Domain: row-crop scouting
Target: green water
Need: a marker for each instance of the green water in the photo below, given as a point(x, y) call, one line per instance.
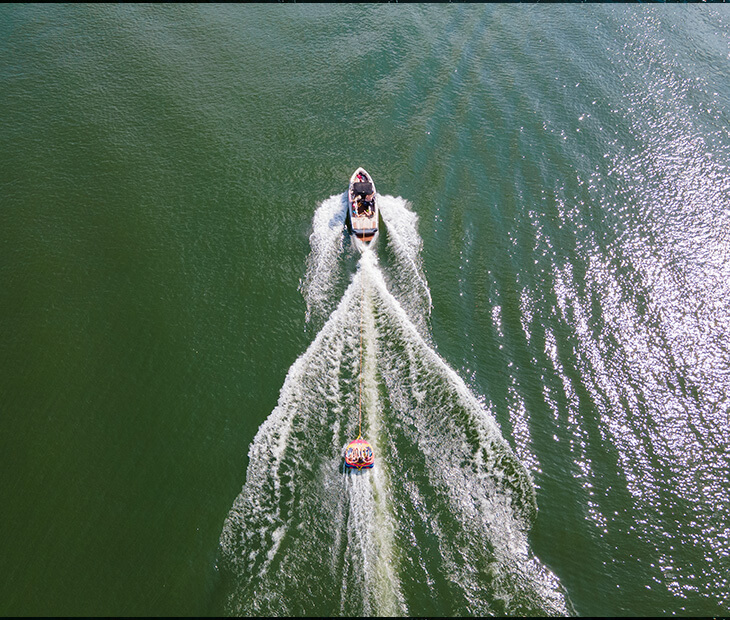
point(161, 171)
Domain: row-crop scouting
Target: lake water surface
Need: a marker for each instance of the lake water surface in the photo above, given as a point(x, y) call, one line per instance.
point(545, 313)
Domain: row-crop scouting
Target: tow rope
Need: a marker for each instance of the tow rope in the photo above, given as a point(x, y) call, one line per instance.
point(359, 453)
point(362, 318)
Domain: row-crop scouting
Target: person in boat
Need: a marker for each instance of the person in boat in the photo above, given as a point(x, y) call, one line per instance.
point(370, 203)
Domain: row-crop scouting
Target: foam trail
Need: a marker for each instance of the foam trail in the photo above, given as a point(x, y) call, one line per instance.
point(382, 583)
point(406, 277)
point(323, 265)
point(442, 518)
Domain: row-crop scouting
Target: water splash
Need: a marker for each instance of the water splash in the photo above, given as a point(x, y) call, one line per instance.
point(324, 268)
point(405, 276)
point(441, 520)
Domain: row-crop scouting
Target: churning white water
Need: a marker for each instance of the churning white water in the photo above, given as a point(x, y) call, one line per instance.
point(443, 516)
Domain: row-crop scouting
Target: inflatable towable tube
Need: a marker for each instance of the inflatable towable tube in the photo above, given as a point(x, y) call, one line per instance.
point(359, 454)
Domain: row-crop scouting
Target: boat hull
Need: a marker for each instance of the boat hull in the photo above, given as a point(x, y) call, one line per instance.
point(362, 207)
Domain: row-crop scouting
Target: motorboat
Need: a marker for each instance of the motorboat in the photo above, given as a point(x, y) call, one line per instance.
point(362, 206)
